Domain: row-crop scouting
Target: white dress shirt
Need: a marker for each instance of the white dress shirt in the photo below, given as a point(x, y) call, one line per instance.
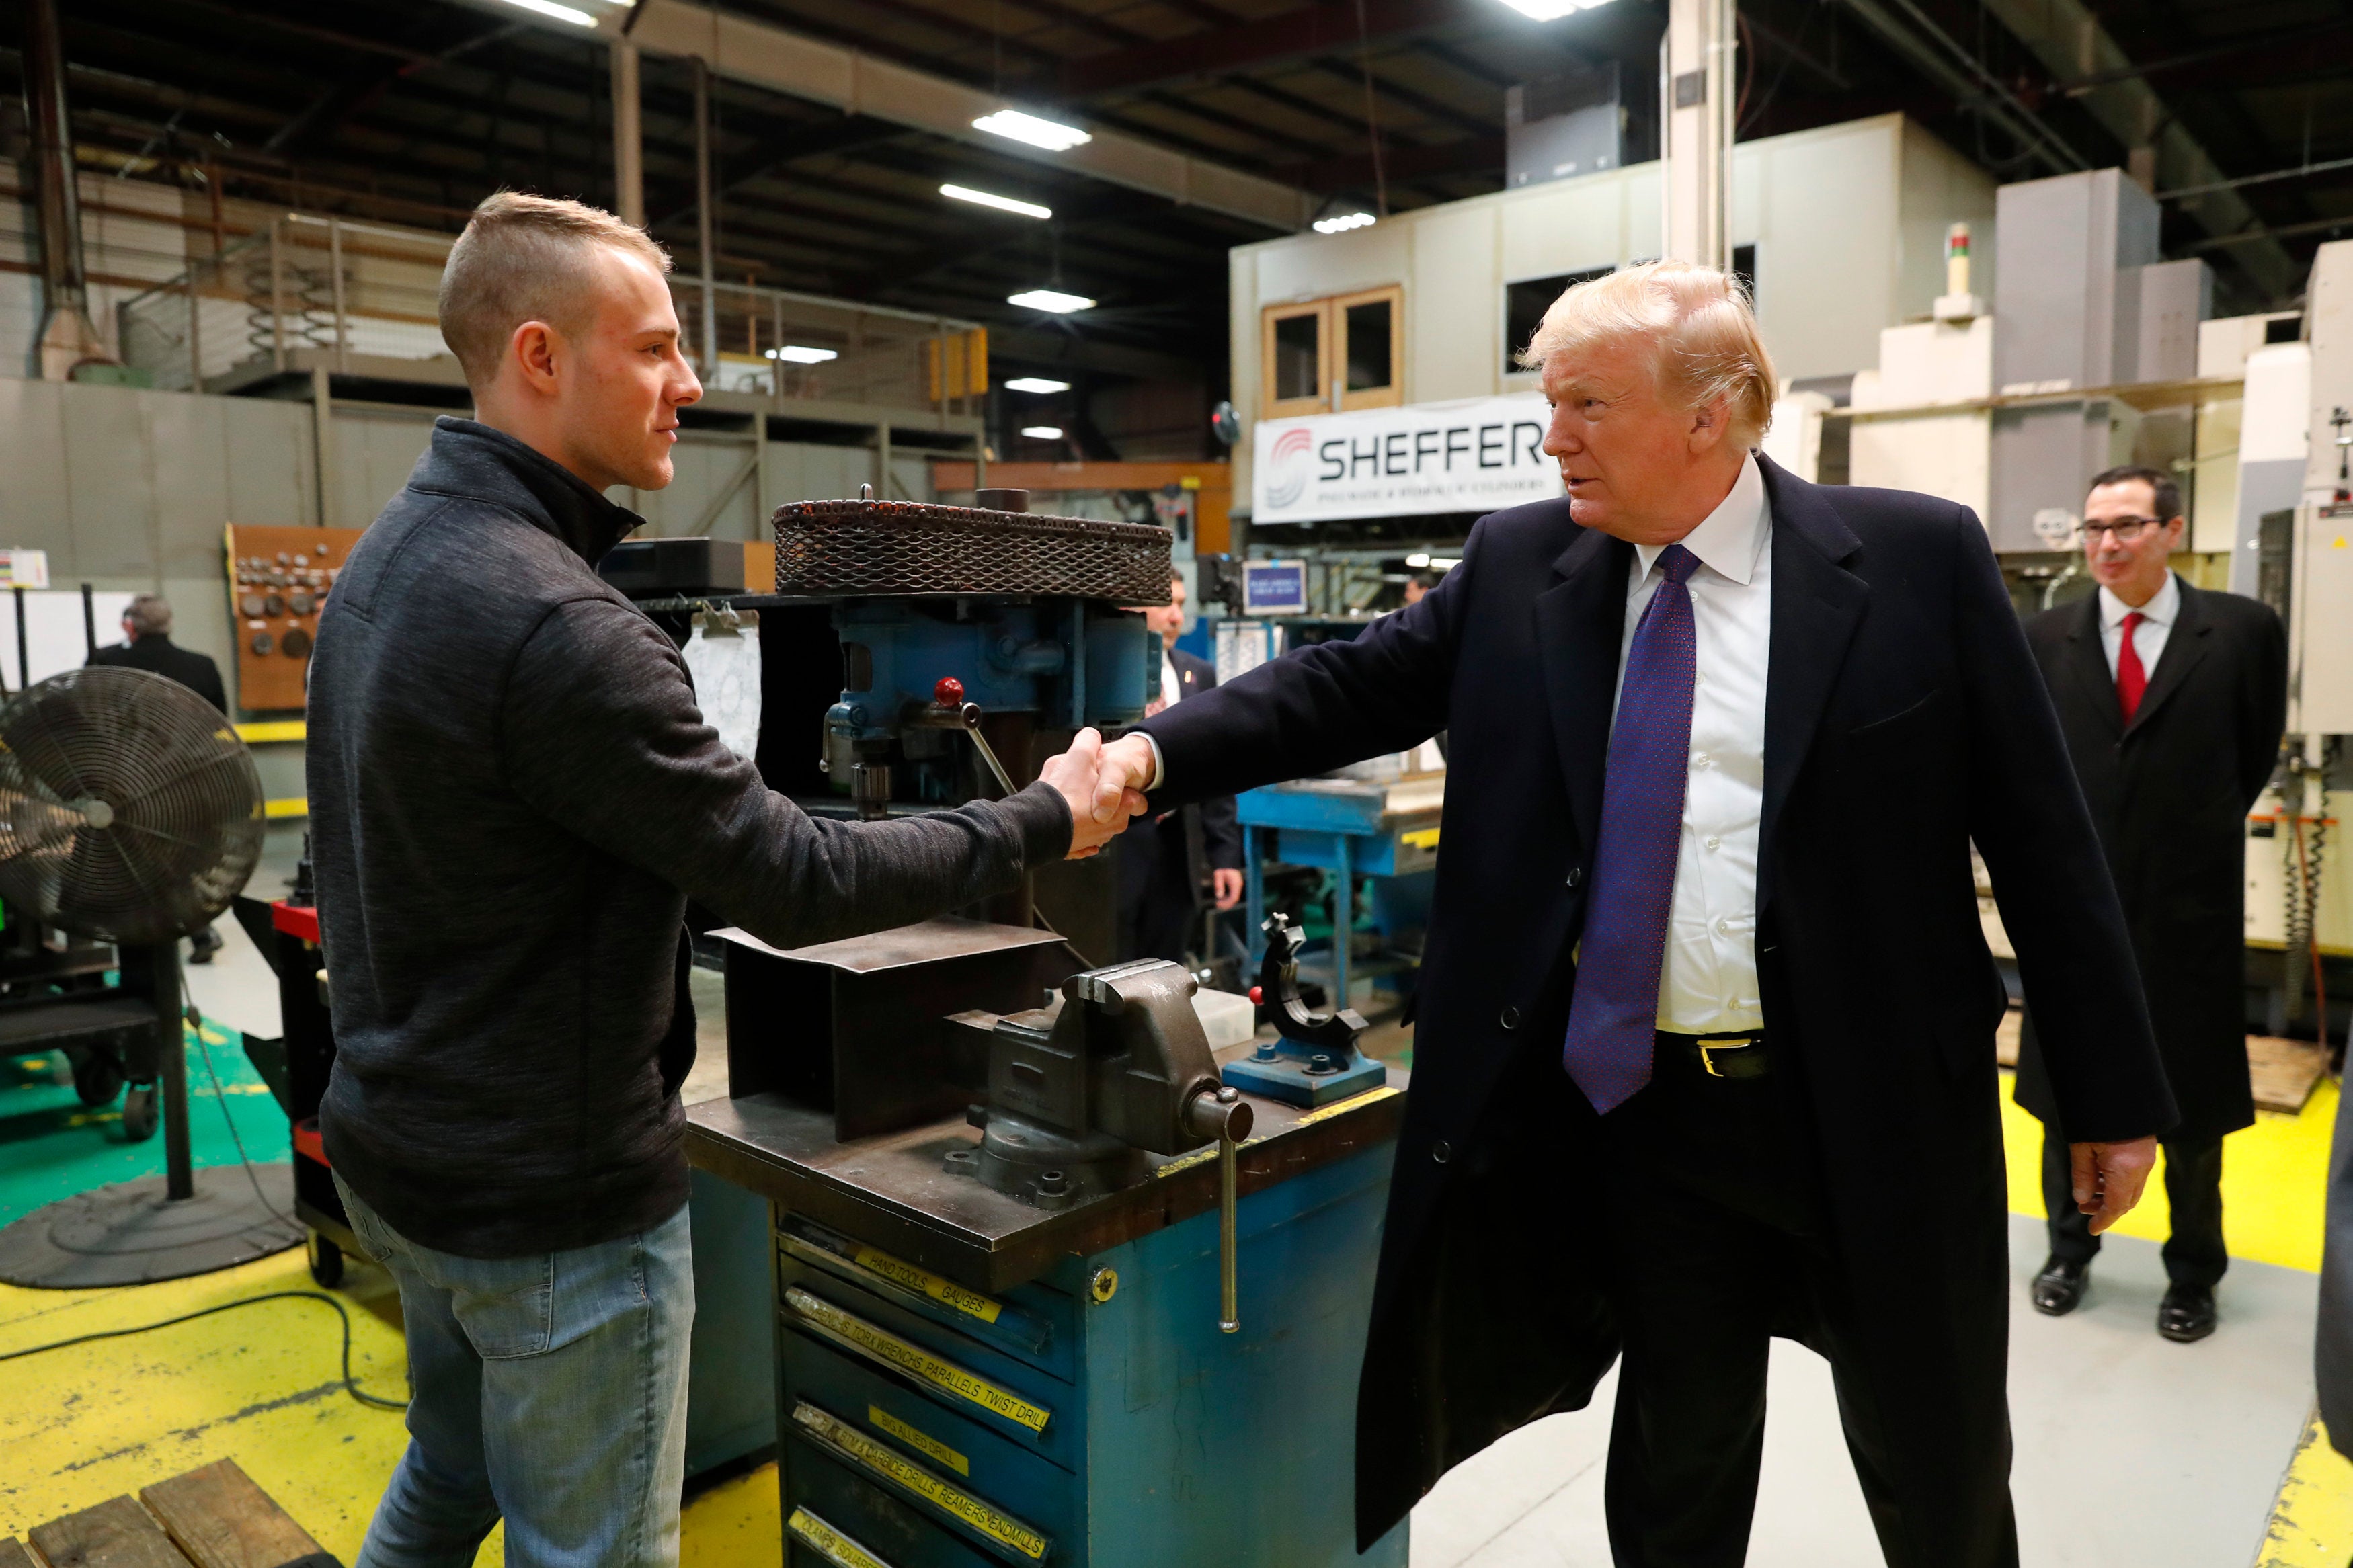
point(1170, 687)
point(2148, 637)
point(1708, 982)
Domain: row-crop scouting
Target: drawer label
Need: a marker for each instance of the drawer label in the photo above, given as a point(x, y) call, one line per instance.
point(922, 1442)
point(830, 1544)
point(917, 1361)
point(947, 1292)
point(849, 1443)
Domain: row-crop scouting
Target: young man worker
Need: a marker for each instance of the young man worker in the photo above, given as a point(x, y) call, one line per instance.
point(513, 795)
point(2172, 699)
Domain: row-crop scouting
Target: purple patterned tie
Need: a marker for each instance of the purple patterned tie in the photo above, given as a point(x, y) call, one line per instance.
point(1614, 1013)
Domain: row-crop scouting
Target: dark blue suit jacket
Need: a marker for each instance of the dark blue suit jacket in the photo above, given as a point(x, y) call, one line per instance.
point(1905, 718)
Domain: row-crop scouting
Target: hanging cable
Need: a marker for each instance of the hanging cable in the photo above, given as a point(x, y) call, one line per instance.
point(1372, 114)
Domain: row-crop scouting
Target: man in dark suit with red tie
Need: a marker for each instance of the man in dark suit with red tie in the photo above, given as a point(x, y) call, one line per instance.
point(2172, 699)
point(1705, 1045)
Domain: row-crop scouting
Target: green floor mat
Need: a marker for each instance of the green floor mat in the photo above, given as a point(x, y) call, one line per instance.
point(52, 1146)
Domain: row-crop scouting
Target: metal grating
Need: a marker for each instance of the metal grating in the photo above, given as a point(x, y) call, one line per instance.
point(897, 548)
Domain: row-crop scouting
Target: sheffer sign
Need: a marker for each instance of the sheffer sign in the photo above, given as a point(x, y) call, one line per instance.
point(1474, 455)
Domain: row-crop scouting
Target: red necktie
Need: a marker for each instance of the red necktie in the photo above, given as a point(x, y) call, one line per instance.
point(2132, 680)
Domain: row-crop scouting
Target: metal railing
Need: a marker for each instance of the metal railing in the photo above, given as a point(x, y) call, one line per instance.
point(307, 291)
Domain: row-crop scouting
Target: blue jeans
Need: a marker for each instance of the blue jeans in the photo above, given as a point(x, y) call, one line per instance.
point(548, 1390)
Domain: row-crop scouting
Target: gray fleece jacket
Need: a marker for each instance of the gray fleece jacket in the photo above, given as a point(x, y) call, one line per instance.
point(513, 795)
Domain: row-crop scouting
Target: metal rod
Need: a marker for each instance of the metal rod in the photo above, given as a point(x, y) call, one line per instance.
point(628, 138)
point(335, 266)
point(180, 1176)
point(23, 657)
point(969, 715)
point(88, 620)
point(1229, 1314)
point(706, 227)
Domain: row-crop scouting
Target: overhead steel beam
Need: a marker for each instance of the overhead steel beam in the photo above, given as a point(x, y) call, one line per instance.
point(1294, 35)
point(1946, 63)
point(2072, 46)
point(856, 83)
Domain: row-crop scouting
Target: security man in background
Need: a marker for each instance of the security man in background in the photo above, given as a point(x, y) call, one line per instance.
point(147, 644)
point(1161, 857)
point(2172, 699)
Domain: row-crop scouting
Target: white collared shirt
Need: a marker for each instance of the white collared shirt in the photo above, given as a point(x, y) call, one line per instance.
point(1708, 983)
point(2148, 637)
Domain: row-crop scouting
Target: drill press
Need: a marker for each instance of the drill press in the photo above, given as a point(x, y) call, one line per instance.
point(1047, 1289)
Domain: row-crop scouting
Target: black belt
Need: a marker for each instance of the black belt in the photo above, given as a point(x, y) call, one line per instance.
point(1728, 1055)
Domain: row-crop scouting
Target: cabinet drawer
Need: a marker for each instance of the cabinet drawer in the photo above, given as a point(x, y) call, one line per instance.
point(958, 1448)
point(1031, 1323)
point(951, 1501)
point(982, 1384)
point(892, 1534)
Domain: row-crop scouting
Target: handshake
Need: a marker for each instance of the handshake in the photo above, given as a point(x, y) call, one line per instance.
point(1103, 785)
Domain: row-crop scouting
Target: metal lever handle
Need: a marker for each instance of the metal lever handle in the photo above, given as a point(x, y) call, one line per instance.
point(1229, 1312)
point(947, 694)
point(1223, 1114)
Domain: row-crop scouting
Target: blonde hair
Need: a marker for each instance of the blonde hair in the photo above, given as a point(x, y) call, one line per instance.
point(524, 258)
point(1700, 326)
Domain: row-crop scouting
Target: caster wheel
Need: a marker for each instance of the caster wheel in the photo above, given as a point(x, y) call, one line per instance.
point(326, 1262)
point(96, 1080)
point(141, 1113)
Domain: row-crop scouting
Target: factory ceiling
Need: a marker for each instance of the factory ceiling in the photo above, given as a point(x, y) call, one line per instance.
point(410, 111)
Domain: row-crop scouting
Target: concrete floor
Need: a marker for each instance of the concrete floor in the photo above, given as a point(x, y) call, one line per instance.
point(2129, 1449)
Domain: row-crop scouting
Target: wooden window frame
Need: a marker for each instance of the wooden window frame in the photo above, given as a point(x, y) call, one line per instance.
point(1272, 406)
point(1336, 349)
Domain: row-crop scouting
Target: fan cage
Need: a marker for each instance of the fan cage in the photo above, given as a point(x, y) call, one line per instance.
point(129, 811)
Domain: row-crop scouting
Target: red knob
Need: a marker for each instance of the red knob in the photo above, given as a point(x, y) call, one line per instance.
point(948, 692)
point(1257, 1000)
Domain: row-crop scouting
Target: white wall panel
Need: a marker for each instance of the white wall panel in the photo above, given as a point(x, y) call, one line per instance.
point(1454, 342)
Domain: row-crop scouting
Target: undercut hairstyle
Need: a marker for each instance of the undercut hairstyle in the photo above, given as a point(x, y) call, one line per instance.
point(526, 258)
point(149, 615)
point(1700, 327)
point(2165, 492)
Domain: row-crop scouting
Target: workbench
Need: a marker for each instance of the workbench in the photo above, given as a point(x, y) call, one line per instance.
point(967, 1380)
point(1349, 827)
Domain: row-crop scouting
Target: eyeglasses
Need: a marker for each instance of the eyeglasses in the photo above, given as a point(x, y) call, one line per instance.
point(2126, 529)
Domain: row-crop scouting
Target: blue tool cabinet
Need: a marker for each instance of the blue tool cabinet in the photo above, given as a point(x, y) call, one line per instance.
point(1093, 1417)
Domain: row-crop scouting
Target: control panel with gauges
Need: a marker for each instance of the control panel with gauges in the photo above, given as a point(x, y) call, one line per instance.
point(279, 580)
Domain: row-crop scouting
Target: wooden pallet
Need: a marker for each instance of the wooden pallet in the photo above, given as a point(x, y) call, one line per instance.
point(2285, 1072)
point(211, 1517)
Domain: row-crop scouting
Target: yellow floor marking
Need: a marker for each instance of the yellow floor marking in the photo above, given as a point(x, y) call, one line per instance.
point(2312, 1523)
point(2274, 1182)
point(737, 1524)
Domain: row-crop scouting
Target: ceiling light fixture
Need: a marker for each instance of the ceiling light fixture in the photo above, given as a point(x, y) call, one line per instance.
point(1343, 223)
point(1051, 299)
point(1035, 383)
point(1418, 558)
point(1552, 10)
point(1016, 126)
point(1043, 432)
point(1002, 204)
point(793, 353)
point(578, 18)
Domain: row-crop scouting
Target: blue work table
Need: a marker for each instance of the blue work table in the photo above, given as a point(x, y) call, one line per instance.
point(1349, 827)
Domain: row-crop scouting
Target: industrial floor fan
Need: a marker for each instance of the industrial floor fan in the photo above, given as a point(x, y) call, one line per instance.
point(131, 813)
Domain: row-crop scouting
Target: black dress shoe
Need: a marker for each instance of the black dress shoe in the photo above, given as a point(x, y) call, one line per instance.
point(2186, 1314)
point(2059, 1288)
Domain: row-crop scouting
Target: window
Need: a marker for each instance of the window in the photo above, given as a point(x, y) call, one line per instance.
point(1323, 355)
point(1525, 303)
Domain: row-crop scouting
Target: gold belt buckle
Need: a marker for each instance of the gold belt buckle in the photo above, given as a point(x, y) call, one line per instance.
point(1707, 1049)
